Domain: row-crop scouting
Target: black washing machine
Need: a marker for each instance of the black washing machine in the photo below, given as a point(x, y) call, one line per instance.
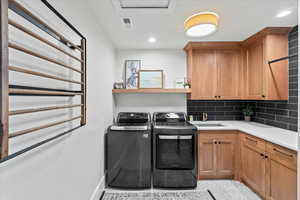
point(174, 151)
point(128, 152)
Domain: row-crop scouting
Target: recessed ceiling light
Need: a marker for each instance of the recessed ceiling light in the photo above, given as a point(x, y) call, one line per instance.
point(152, 40)
point(283, 13)
point(201, 24)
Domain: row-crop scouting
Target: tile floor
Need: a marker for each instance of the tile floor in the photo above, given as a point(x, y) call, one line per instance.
point(221, 190)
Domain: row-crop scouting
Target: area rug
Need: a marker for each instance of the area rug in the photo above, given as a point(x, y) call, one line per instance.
point(197, 195)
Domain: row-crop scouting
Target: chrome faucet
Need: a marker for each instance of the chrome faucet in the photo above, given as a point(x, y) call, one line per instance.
point(204, 117)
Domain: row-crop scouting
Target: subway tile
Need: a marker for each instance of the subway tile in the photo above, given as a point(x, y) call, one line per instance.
point(293, 99)
point(259, 120)
point(276, 124)
point(293, 113)
point(293, 93)
point(224, 109)
point(293, 79)
point(215, 103)
point(266, 116)
point(289, 120)
point(233, 113)
point(225, 117)
point(266, 104)
point(293, 127)
point(293, 86)
point(293, 71)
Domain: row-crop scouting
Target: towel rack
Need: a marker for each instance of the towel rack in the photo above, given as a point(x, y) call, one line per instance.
point(283, 58)
point(19, 90)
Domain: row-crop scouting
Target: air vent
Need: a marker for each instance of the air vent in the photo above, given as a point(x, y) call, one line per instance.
point(127, 22)
point(146, 4)
point(129, 7)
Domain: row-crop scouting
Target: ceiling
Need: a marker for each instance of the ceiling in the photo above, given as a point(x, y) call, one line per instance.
point(238, 20)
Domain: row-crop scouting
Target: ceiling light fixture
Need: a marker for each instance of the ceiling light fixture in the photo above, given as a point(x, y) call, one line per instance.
point(152, 40)
point(201, 24)
point(283, 13)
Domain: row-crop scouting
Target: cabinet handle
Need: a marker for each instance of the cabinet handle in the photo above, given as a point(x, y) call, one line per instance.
point(250, 139)
point(266, 157)
point(263, 96)
point(262, 155)
point(216, 96)
point(224, 142)
point(216, 142)
point(219, 96)
point(283, 153)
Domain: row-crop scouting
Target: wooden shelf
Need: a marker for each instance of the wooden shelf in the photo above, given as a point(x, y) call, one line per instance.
point(153, 91)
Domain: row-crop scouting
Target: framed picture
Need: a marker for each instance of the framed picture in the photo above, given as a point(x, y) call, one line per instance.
point(151, 79)
point(132, 68)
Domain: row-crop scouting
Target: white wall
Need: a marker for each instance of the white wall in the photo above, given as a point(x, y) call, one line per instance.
point(172, 62)
point(71, 167)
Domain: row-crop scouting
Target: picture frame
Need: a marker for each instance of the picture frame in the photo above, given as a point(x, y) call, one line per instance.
point(150, 79)
point(132, 67)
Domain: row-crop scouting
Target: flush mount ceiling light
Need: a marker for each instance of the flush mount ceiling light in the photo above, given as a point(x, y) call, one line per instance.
point(201, 24)
point(283, 13)
point(152, 40)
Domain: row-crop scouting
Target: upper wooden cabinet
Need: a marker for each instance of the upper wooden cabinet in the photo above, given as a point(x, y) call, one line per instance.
point(215, 70)
point(240, 70)
point(264, 81)
point(229, 74)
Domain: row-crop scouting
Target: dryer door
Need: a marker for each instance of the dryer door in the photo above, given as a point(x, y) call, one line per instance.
point(175, 151)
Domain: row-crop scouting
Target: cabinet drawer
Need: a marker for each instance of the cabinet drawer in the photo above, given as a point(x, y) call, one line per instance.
point(283, 155)
point(253, 142)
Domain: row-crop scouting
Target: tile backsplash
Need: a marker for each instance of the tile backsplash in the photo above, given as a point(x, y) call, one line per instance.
point(282, 114)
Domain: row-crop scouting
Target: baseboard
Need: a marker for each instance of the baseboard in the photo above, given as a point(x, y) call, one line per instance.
point(99, 189)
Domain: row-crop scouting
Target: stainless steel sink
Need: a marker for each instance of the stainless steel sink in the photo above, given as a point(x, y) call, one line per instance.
point(209, 125)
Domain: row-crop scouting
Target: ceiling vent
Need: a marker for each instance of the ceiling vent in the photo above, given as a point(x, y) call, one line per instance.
point(134, 6)
point(127, 22)
point(144, 4)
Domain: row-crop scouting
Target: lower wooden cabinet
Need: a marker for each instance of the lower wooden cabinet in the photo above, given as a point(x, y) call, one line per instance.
point(281, 173)
point(216, 154)
point(253, 164)
point(268, 169)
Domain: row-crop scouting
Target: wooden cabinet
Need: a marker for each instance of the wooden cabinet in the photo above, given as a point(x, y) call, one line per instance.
point(268, 169)
point(282, 173)
point(229, 74)
point(254, 164)
point(207, 156)
point(225, 156)
point(264, 81)
point(254, 71)
point(215, 73)
point(216, 154)
point(204, 74)
point(240, 70)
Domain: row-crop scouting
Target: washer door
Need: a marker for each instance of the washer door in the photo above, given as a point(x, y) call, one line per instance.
point(175, 152)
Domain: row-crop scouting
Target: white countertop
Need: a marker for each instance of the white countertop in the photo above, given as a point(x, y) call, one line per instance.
point(285, 138)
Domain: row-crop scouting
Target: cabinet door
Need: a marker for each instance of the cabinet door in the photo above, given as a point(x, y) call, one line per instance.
point(281, 173)
point(254, 169)
point(206, 157)
point(204, 77)
point(225, 157)
point(229, 74)
point(254, 71)
point(283, 182)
